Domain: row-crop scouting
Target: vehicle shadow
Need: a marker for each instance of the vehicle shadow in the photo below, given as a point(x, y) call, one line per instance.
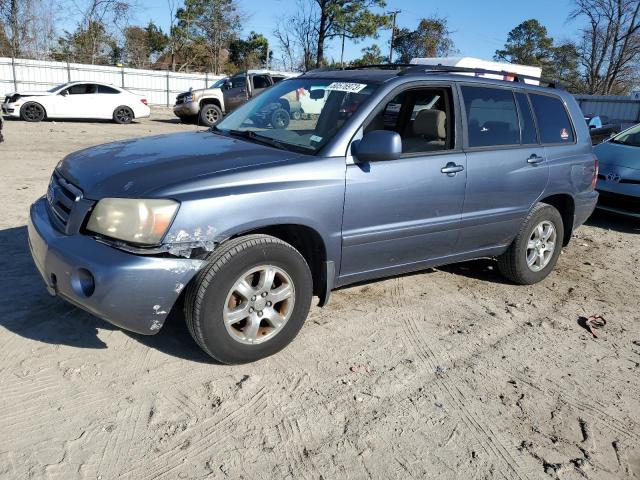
point(484, 269)
point(29, 311)
point(613, 221)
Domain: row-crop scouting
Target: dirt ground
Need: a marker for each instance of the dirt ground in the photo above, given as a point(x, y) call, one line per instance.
point(448, 373)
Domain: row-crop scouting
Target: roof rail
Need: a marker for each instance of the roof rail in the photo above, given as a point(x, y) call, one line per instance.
point(412, 68)
point(517, 77)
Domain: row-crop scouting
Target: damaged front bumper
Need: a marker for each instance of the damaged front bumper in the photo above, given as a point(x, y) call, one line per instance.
point(134, 292)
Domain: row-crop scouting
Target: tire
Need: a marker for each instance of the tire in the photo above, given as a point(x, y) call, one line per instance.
point(279, 119)
point(515, 265)
point(296, 115)
point(123, 115)
point(213, 297)
point(32, 112)
point(210, 115)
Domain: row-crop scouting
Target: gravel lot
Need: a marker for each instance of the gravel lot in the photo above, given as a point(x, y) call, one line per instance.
point(448, 373)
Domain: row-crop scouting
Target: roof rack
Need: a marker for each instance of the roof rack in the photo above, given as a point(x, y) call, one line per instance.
point(517, 77)
point(412, 68)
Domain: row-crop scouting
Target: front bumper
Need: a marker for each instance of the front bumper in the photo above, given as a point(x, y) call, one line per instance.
point(134, 292)
point(619, 203)
point(186, 109)
point(10, 110)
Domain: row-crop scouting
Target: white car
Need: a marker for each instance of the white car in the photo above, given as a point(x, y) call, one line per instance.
point(77, 100)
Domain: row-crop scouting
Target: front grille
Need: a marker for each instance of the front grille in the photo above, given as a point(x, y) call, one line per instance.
point(617, 201)
point(180, 99)
point(66, 208)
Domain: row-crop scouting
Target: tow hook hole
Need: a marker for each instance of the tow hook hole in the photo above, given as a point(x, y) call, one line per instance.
point(53, 279)
point(83, 282)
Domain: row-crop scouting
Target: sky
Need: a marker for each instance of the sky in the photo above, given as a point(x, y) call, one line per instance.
point(479, 27)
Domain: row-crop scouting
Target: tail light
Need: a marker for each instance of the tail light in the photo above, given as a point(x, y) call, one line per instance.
point(594, 179)
point(144, 100)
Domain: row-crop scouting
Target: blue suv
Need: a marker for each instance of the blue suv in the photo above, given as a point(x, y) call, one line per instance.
point(392, 169)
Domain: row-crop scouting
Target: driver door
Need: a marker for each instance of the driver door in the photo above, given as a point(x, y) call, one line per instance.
point(404, 214)
point(235, 93)
point(77, 101)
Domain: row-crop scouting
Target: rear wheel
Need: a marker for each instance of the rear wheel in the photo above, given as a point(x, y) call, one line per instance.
point(32, 112)
point(280, 119)
point(123, 115)
point(210, 115)
point(535, 250)
point(251, 299)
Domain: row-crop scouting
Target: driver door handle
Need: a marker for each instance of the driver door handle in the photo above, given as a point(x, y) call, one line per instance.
point(534, 158)
point(451, 169)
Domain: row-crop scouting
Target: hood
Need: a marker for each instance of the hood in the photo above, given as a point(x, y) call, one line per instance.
point(29, 94)
point(609, 153)
point(151, 166)
point(201, 91)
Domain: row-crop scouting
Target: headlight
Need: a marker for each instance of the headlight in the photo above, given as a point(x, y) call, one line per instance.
point(136, 221)
point(188, 98)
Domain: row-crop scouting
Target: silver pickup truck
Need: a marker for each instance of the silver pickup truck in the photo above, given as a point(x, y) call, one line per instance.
point(207, 106)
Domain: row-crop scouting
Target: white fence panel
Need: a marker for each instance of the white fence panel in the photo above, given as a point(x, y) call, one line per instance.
point(159, 87)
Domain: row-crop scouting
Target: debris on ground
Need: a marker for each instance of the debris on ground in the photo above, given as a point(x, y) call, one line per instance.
point(592, 323)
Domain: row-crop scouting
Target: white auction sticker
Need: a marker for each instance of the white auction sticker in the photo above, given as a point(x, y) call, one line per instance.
point(346, 87)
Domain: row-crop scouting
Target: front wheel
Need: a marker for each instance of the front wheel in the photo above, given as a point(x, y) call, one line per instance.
point(32, 112)
point(251, 299)
point(210, 115)
point(535, 250)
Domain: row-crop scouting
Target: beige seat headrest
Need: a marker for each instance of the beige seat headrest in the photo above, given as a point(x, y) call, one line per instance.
point(430, 124)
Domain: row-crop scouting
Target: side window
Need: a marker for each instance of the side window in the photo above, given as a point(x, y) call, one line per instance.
point(238, 82)
point(553, 120)
point(421, 117)
point(277, 79)
point(260, 81)
point(527, 124)
point(82, 89)
point(492, 118)
point(105, 89)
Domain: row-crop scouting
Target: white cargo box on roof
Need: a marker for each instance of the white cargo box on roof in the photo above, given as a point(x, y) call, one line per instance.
point(470, 62)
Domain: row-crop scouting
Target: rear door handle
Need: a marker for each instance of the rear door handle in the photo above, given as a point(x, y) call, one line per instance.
point(534, 158)
point(451, 169)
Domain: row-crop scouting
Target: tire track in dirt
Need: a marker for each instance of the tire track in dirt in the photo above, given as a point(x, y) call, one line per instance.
point(224, 427)
point(597, 414)
point(488, 440)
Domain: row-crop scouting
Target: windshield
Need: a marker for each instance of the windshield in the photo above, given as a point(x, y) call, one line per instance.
point(300, 114)
point(57, 87)
point(219, 83)
point(629, 137)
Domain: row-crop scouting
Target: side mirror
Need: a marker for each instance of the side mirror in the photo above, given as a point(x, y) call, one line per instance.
point(317, 94)
point(376, 146)
point(64, 93)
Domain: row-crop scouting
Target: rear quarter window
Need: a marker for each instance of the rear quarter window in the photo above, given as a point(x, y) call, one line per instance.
point(553, 120)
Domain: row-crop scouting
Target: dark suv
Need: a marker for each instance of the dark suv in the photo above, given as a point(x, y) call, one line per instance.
point(400, 169)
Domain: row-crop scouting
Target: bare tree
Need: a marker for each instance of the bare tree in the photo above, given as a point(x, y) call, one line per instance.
point(609, 49)
point(297, 35)
point(98, 17)
point(28, 27)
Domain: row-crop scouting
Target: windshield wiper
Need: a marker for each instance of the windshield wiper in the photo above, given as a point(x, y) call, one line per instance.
point(251, 135)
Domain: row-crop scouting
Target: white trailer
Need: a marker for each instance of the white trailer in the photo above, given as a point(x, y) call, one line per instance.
point(509, 69)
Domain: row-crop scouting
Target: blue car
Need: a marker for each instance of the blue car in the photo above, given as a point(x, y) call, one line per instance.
point(619, 178)
point(402, 168)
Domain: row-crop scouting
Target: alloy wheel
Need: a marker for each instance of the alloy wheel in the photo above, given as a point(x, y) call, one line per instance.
point(259, 304)
point(541, 246)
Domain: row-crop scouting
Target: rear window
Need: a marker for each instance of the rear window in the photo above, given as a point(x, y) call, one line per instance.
point(553, 120)
point(492, 117)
